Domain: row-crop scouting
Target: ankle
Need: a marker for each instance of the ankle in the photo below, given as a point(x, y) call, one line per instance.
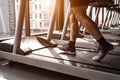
point(71, 43)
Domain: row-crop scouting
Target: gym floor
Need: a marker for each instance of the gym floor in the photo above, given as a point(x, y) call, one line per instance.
point(26, 72)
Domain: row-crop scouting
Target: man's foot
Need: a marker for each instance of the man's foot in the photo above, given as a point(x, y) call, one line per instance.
point(67, 48)
point(102, 53)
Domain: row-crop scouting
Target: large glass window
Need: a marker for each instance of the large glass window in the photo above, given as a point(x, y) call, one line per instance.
point(40, 12)
point(40, 15)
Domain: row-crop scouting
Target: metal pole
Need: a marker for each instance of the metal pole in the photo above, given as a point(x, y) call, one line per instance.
point(52, 22)
point(105, 19)
point(27, 19)
point(90, 12)
point(110, 23)
point(65, 26)
point(97, 14)
point(109, 17)
point(117, 16)
point(18, 33)
point(102, 15)
point(113, 17)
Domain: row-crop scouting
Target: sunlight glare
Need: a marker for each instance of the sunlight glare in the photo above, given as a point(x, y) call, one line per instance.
point(1, 78)
point(47, 3)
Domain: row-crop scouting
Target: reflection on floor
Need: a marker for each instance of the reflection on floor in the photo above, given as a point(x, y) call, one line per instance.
point(25, 72)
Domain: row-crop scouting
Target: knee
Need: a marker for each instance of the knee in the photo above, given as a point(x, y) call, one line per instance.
point(72, 18)
point(82, 18)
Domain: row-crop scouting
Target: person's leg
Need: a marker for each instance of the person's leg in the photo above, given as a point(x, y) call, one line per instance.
point(70, 47)
point(73, 26)
point(92, 28)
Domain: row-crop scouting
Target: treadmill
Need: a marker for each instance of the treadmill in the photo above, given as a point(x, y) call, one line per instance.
point(47, 56)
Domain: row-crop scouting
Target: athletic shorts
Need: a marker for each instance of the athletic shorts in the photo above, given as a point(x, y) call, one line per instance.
point(74, 3)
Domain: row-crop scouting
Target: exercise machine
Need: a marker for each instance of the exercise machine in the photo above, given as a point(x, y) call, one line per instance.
point(46, 55)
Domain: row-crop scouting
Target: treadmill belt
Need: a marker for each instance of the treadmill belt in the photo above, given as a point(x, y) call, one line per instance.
point(38, 48)
point(80, 43)
point(110, 61)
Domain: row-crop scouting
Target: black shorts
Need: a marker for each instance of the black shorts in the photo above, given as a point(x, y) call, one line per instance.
point(74, 3)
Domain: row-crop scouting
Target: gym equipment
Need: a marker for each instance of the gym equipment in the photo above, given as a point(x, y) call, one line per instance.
point(49, 57)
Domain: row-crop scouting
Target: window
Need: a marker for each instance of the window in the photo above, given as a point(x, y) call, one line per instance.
point(46, 23)
point(39, 15)
point(35, 6)
point(46, 15)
